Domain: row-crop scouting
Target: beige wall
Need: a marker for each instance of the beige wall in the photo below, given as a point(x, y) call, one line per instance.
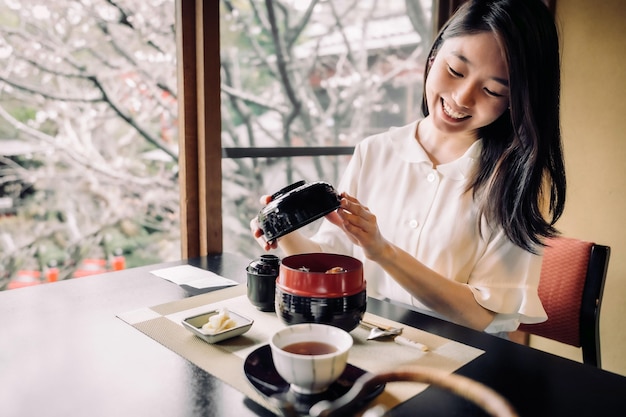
point(593, 38)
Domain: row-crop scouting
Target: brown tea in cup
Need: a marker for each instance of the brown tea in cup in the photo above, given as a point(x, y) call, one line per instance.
point(310, 348)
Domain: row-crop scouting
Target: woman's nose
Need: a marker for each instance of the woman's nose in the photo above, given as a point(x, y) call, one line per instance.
point(463, 95)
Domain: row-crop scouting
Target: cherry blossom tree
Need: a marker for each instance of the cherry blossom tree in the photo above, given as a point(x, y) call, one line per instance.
point(90, 88)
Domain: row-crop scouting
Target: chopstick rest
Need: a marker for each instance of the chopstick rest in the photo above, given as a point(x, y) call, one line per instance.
point(401, 340)
point(378, 331)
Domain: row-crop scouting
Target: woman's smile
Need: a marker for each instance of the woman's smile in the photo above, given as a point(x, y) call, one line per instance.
point(449, 111)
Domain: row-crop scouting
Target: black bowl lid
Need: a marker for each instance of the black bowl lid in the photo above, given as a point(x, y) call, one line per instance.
point(296, 206)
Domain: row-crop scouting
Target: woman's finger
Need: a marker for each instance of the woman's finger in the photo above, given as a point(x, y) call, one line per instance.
point(259, 236)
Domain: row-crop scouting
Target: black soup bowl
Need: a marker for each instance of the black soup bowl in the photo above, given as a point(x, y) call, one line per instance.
point(321, 288)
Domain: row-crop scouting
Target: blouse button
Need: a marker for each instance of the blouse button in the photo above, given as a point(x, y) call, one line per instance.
point(431, 177)
point(413, 224)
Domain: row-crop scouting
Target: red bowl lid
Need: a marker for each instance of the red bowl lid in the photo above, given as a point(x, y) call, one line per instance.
point(321, 275)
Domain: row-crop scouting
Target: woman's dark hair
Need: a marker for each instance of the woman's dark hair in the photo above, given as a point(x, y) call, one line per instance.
point(522, 158)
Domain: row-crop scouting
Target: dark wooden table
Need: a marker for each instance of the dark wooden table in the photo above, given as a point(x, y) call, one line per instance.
point(64, 353)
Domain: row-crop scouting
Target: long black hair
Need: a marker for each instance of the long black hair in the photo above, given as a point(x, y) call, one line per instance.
point(520, 183)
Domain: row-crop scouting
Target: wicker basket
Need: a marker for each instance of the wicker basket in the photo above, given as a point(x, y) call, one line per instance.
point(481, 395)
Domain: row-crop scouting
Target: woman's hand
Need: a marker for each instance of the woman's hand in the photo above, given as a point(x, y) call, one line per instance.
point(360, 226)
point(257, 233)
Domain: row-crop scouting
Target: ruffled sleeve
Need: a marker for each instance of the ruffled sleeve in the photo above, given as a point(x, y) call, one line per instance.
point(505, 280)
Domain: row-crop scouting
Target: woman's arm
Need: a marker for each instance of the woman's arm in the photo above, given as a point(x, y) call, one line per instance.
point(452, 299)
point(445, 296)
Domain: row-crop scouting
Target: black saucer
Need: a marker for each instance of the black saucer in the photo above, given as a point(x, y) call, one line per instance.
point(260, 371)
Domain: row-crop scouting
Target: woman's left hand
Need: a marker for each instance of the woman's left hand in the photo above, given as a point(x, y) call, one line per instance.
point(360, 225)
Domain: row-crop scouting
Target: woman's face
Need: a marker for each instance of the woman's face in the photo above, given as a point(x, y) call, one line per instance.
point(467, 87)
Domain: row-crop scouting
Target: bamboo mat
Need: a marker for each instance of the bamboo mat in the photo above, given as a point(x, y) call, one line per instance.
point(225, 360)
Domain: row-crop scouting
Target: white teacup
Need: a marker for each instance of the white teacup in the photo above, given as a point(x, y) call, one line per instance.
point(310, 356)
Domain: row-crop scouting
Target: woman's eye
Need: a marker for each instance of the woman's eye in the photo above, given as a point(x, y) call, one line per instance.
point(492, 93)
point(453, 72)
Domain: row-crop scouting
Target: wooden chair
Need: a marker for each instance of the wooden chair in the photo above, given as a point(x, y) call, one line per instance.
point(573, 273)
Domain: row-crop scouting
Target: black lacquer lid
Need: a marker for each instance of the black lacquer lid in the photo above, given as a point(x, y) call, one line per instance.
point(265, 264)
point(295, 206)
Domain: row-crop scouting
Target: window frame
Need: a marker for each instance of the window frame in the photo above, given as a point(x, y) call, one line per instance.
point(200, 171)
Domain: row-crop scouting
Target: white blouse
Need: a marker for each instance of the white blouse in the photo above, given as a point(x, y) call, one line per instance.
point(426, 212)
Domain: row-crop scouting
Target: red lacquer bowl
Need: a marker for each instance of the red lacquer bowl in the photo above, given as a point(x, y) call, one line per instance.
point(321, 275)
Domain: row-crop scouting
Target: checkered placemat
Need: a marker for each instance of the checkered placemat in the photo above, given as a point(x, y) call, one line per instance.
point(225, 360)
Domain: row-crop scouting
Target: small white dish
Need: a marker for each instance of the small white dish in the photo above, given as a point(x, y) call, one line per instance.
point(195, 323)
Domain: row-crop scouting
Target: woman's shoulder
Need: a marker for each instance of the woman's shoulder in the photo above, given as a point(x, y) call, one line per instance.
point(397, 142)
point(395, 132)
point(390, 138)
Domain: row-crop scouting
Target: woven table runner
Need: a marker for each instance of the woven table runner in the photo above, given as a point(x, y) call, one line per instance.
point(225, 359)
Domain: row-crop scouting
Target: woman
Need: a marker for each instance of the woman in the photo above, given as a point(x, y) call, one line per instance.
point(448, 213)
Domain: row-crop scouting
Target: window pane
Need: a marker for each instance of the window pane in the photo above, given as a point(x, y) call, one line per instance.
point(311, 73)
point(88, 137)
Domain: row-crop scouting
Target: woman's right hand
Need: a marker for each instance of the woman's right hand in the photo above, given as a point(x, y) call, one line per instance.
point(257, 233)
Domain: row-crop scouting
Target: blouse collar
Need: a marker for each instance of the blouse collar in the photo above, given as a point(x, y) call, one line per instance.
point(410, 150)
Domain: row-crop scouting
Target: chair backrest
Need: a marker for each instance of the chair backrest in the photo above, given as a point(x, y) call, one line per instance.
point(573, 273)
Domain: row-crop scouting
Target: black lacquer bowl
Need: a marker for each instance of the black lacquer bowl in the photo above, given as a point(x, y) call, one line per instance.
point(261, 281)
point(296, 206)
point(344, 312)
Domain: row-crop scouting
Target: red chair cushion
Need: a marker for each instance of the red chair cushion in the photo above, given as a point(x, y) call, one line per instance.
point(563, 275)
